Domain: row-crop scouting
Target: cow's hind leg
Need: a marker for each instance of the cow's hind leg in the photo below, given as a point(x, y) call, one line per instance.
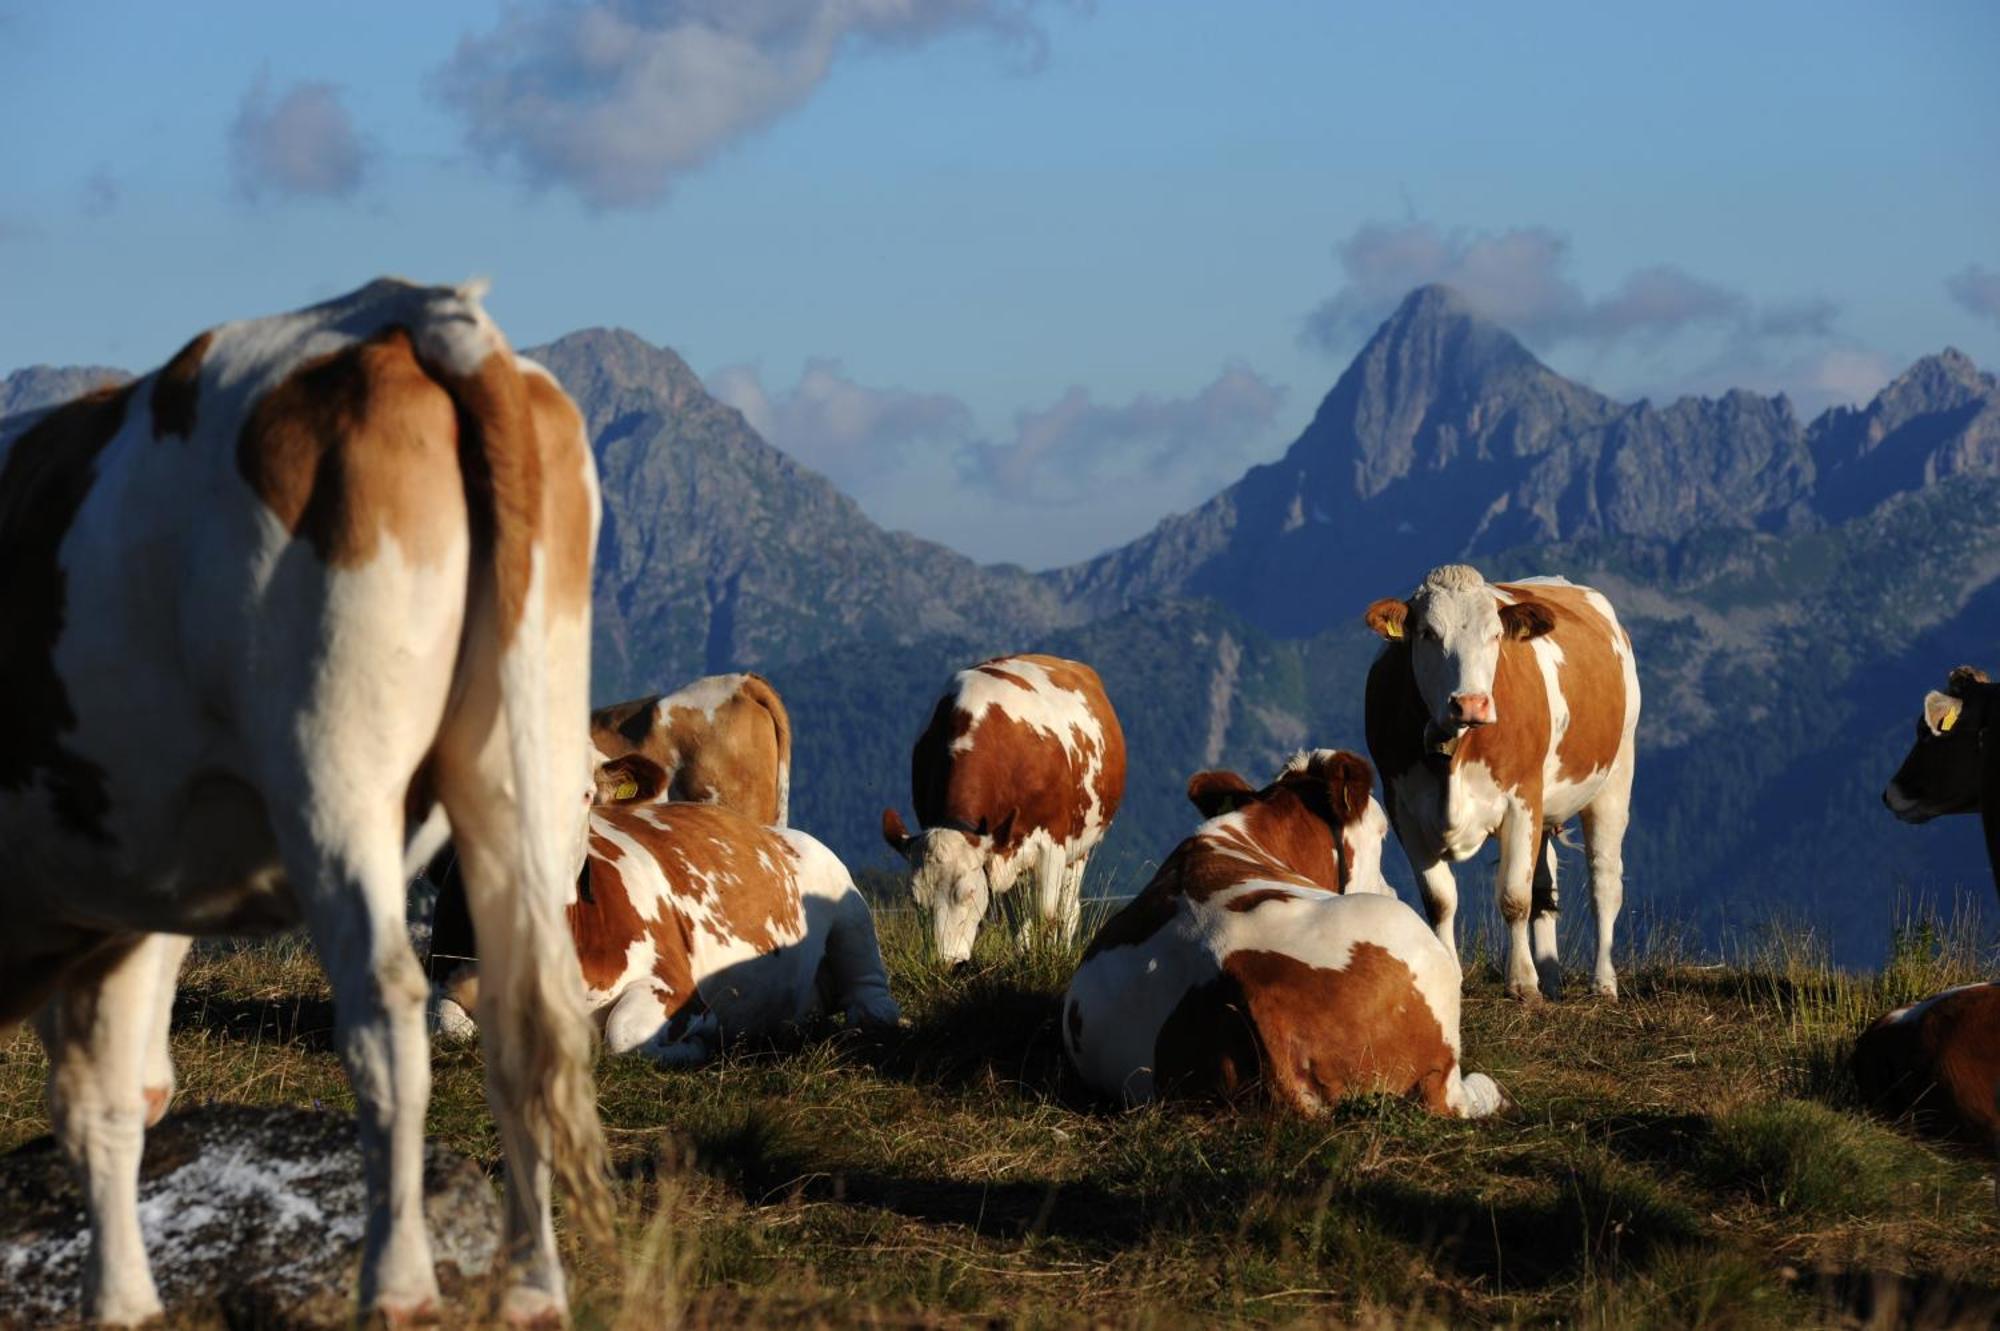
point(1545, 917)
point(1604, 822)
point(98, 1030)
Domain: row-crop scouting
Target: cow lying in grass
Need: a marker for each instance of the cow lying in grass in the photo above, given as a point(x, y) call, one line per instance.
point(1937, 1063)
point(1269, 951)
point(695, 923)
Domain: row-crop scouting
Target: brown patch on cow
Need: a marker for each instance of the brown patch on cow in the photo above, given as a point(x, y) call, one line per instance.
point(355, 447)
point(706, 848)
point(1310, 1035)
point(1249, 901)
point(997, 673)
point(157, 1100)
point(1591, 677)
point(606, 922)
point(177, 388)
point(565, 530)
point(1214, 793)
point(631, 778)
point(1138, 919)
point(1514, 748)
point(739, 758)
point(1016, 779)
point(43, 483)
point(1940, 1070)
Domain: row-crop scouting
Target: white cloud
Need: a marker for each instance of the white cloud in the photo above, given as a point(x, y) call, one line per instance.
point(848, 430)
point(299, 143)
point(616, 99)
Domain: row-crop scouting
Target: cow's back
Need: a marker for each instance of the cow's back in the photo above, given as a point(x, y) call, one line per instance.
point(1590, 678)
point(724, 739)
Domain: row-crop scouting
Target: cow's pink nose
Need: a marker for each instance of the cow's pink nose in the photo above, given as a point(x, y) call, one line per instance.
point(1472, 709)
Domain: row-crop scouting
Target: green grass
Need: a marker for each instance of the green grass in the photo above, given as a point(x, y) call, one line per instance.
point(1689, 1156)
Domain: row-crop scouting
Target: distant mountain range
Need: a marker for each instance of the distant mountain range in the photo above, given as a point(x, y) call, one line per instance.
point(1792, 589)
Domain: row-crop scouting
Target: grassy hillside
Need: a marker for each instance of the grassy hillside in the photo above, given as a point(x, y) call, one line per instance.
point(1687, 1157)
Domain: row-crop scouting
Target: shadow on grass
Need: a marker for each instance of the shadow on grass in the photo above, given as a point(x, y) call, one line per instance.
point(305, 1023)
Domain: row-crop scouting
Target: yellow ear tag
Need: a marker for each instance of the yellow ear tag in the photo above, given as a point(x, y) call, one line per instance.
point(1395, 628)
point(1950, 720)
point(627, 790)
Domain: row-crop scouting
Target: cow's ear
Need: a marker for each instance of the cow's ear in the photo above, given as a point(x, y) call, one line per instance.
point(1526, 619)
point(631, 779)
point(1387, 617)
point(1941, 712)
point(1963, 679)
point(1215, 793)
point(1350, 782)
point(630, 721)
point(893, 832)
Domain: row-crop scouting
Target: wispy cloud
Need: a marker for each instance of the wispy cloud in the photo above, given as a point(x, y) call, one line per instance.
point(617, 99)
point(299, 142)
point(1976, 289)
point(848, 430)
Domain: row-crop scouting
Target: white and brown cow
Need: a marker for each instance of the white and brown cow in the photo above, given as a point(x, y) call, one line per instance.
point(695, 924)
point(1268, 954)
point(259, 611)
point(1019, 771)
point(1936, 1065)
point(724, 739)
point(1507, 709)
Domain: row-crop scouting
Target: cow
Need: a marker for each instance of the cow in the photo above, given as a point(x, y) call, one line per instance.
point(1020, 770)
point(261, 611)
point(695, 924)
point(1950, 767)
point(724, 739)
point(1507, 708)
point(1268, 955)
point(1937, 1064)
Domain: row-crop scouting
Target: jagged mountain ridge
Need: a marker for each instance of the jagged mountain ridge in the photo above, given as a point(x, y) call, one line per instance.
point(1447, 439)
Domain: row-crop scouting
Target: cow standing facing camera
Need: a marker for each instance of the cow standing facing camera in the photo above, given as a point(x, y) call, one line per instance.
point(1019, 771)
point(1269, 954)
point(1506, 709)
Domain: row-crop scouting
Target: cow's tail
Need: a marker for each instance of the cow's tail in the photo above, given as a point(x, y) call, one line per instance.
point(759, 690)
point(529, 519)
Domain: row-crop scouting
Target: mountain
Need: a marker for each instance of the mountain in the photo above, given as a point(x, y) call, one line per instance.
point(719, 552)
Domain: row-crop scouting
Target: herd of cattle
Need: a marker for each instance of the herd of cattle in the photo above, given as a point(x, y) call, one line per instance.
point(279, 619)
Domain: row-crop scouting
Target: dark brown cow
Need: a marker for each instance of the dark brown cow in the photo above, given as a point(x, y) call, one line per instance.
point(1937, 1064)
point(1020, 770)
point(1269, 953)
point(1507, 709)
point(1952, 767)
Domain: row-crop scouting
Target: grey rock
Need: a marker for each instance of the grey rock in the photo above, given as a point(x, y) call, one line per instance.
point(255, 1215)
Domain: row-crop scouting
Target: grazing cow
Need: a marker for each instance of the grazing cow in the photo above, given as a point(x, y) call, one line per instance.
point(260, 611)
point(1507, 708)
point(1950, 768)
point(694, 923)
point(1268, 951)
point(724, 739)
point(1937, 1063)
point(1020, 770)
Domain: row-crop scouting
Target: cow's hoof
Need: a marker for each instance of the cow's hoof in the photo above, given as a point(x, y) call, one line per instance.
point(397, 1313)
point(139, 1310)
point(1608, 990)
point(1527, 994)
point(959, 968)
point(527, 1306)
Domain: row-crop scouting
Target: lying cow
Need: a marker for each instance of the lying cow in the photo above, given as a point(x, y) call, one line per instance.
point(1019, 771)
point(695, 923)
point(1951, 768)
point(1937, 1063)
point(1507, 709)
point(260, 612)
point(1269, 952)
point(724, 739)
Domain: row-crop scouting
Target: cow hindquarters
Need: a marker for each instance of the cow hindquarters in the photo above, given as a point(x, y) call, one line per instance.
point(98, 1029)
point(854, 961)
point(1604, 822)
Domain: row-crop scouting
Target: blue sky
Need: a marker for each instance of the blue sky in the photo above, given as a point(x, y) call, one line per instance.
point(1023, 277)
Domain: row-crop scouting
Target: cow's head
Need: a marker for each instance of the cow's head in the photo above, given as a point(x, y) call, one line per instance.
point(1455, 625)
point(948, 880)
point(632, 778)
point(1330, 787)
point(1943, 771)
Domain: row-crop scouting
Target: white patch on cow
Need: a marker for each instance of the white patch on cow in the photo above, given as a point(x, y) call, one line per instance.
point(707, 695)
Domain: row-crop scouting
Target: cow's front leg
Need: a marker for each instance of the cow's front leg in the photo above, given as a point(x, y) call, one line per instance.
point(98, 1031)
point(1434, 879)
point(171, 950)
point(1545, 917)
point(1520, 833)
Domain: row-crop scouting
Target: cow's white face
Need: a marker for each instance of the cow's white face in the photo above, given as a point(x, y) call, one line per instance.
point(948, 880)
point(1455, 625)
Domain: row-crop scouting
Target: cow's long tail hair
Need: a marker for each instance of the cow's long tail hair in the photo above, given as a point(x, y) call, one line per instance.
point(542, 1053)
